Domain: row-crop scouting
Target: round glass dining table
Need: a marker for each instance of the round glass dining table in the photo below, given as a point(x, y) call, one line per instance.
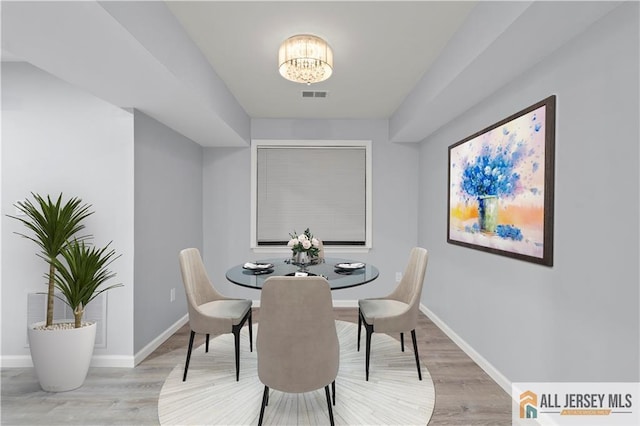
point(338, 278)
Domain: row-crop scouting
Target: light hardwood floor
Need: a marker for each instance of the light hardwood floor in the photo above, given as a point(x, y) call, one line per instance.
point(465, 395)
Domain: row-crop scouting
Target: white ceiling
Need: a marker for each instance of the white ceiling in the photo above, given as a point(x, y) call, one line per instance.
point(206, 68)
point(381, 49)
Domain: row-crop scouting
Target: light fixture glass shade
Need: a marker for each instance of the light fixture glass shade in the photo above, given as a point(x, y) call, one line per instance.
point(306, 59)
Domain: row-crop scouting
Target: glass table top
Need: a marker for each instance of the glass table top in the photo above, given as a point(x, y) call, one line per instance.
point(338, 278)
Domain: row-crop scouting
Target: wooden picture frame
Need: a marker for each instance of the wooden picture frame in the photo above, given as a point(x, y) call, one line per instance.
point(501, 186)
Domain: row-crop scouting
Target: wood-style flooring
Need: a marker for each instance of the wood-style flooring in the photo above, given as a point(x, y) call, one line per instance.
point(465, 395)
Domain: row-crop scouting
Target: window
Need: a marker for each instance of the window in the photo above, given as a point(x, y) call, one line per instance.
point(321, 185)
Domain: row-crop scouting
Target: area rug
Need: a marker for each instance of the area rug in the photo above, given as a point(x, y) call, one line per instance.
point(211, 396)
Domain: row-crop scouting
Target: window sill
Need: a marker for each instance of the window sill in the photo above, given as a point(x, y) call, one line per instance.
point(328, 250)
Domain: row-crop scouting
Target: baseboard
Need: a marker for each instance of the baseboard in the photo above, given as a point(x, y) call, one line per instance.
point(493, 372)
point(155, 343)
point(16, 361)
point(24, 361)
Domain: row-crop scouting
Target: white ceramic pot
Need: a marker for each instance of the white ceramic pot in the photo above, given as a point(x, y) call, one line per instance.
point(61, 357)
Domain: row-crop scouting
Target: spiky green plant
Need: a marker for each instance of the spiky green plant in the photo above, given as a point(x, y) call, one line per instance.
point(53, 224)
point(83, 272)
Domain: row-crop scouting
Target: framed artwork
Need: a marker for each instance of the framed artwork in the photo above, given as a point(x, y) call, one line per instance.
point(501, 186)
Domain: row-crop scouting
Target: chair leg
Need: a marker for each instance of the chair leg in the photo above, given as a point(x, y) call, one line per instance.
point(186, 365)
point(333, 391)
point(236, 338)
point(206, 349)
point(265, 398)
point(326, 392)
point(402, 341)
point(250, 332)
point(368, 350)
point(359, 326)
point(415, 351)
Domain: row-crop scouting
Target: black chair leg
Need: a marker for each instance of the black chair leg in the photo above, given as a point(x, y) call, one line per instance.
point(402, 341)
point(326, 392)
point(250, 332)
point(265, 398)
point(415, 351)
point(206, 349)
point(186, 365)
point(333, 391)
point(359, 327)
point(368, 352)
point(236, 338)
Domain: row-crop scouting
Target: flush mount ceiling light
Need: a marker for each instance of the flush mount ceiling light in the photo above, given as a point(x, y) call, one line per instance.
point(305, 58)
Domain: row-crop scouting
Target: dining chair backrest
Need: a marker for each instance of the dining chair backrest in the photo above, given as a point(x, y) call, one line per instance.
point(197, 286)
point(297, 343)
point(409, 290)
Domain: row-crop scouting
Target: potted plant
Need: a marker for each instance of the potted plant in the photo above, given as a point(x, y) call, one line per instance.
point(53, 224)
point(61, 352)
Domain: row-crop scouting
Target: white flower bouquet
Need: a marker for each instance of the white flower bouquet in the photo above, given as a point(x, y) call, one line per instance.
point(304, 243)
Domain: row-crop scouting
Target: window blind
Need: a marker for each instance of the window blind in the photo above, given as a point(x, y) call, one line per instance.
point(320, 188)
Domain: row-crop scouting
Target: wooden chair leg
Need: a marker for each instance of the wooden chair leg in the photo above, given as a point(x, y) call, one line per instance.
point(326, 392)
point(186, 364)
point(415, 351)
point(206, 347)
point(265, 398)
point(402, 341)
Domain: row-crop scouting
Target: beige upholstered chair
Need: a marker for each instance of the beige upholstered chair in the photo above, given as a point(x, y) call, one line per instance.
point(397, 312)
point(209, 311)
point(297, 342)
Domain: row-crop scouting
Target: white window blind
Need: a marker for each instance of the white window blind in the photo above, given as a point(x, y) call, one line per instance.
point(323, 188)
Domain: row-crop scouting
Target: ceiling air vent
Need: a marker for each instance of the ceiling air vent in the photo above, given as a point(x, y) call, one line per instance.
point(314, 94)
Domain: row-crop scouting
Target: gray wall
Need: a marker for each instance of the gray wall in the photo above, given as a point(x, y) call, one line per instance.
point(168, 218)
point(395, 182)
point(57, 138)
point(578, 320)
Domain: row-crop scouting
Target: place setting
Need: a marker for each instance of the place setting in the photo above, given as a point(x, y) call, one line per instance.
point(257, 268)
point(348, 268)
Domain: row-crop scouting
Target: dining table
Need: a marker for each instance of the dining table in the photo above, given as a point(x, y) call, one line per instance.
point(340, 273)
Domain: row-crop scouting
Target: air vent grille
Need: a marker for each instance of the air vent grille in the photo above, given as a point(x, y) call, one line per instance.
point(308, 94)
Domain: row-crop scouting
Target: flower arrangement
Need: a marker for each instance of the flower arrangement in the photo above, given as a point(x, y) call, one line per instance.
point(492, 173)
point(304, 243)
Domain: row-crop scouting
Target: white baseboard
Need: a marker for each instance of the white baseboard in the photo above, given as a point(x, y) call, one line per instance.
point(493, 372)
point(24, 361)
point(120, 361)
point(16, 361)
point(155, 343)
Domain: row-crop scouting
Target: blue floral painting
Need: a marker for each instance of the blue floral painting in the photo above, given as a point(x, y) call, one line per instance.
point(499, 181)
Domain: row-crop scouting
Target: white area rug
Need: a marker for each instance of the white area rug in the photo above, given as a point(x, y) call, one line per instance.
point(211, 396)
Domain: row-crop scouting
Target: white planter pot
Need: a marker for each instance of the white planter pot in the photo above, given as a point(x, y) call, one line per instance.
point(61, 357)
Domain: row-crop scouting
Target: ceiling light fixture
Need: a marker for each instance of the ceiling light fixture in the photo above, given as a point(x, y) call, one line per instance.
point(305, 58)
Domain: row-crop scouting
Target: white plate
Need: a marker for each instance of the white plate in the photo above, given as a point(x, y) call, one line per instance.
point(257, 266)
point(350, 266)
